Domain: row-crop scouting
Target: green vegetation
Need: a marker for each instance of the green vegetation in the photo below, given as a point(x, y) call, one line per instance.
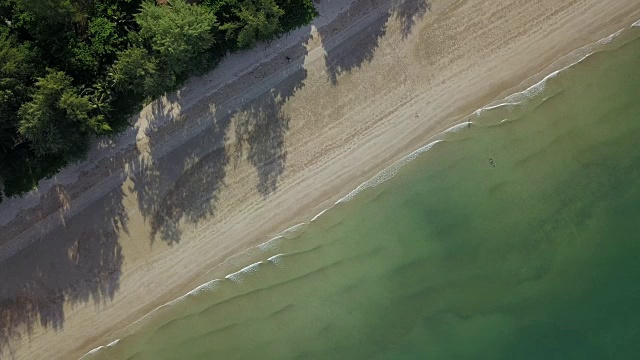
point(257, 20)
point(71, 70)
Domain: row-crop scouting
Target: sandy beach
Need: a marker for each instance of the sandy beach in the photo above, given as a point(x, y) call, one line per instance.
point(258, 145)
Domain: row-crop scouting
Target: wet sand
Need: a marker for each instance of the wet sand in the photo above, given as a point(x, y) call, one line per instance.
point(256, 146)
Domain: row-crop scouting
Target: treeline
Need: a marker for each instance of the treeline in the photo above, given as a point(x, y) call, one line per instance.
point(71, 70)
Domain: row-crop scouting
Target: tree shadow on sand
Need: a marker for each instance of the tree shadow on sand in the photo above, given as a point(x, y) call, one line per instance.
point(344, 58)
point(265, 135)
point(181, 184)
point(72, 265)
point(192, 197)
point(184, 185)
point(408, 12)
point(261, 127)
point(350, 55)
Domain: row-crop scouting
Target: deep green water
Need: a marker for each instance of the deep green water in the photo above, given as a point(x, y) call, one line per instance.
point(537, 257)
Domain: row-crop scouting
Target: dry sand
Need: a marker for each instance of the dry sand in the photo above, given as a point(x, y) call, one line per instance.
point(258, 145)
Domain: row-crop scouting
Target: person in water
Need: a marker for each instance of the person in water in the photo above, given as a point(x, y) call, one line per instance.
point(492, 162)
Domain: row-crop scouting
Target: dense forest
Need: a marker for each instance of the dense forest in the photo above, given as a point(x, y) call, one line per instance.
point(71, 70)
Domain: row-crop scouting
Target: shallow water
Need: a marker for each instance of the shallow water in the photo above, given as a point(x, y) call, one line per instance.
point(514, 238)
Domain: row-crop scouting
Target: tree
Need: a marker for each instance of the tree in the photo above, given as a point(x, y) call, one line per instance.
point(296, 13)
point(52, 11)
point(104, 36)
point(16, 70)
point(72, 69)
point(178, 33)
point(136, 71)
point(259, 20)
point(58, 120)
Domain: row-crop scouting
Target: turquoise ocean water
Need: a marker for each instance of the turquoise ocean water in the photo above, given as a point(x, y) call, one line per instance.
point(517, 237)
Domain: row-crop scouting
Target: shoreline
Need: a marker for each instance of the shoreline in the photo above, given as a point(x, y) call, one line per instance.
point(385, 175)
point(345, 181)
point(377, 179)
point(390, 171)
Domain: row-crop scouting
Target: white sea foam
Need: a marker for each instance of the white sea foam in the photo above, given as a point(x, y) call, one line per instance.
point(537, 88)
point(238, 276)
point(610, 38)
point(276, 259)
point(113, 343)
point(458, 127)
point(319, 214)
point(519, 97)
point(273, 242)
point(636, 24)
point(387, 173)
point(270, 244)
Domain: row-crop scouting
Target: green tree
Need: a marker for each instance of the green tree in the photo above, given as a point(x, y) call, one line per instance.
point(52, 11)
point(107, 58)
point(259, 20)
point(178, 33)
point(16, 70)
point(135, 71)
point(81, 62)
point(58, 120)
point(104, 36)
point(296, 13)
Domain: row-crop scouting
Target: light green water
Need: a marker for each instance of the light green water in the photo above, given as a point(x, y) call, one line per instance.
point(536, 257)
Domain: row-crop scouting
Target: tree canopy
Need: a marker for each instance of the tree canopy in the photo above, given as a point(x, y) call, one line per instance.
point(57, 120)
point(71, 70)
point(177, 34)
point(258, 20)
